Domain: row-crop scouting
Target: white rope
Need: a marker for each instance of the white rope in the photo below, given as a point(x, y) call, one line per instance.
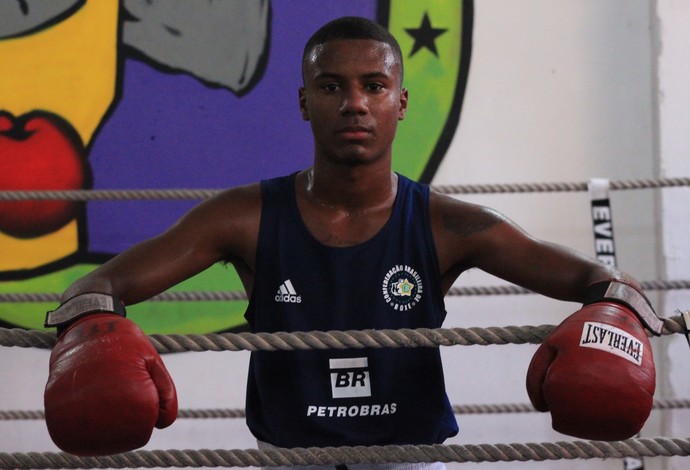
point(220, 296)
point(571, 450)
point(306, 340)
point(168, 194)
point(233, 413)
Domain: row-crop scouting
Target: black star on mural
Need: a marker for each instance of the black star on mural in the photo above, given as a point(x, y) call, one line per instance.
point(425, 36)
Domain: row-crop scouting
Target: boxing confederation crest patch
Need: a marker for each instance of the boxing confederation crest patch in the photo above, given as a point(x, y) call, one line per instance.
point(402, 287)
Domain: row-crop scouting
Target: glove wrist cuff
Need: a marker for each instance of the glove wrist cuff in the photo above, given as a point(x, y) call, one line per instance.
point(629, 296)
point(81, 305)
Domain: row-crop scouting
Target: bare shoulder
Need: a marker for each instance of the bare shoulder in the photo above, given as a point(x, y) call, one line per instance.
point(464, 233)
point(229, 220)
point(473, 236)
point(241, 202)
point(245, 198)
point(460, 218)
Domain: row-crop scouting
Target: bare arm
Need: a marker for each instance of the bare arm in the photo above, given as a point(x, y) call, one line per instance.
point(471, 236)
point(222, 228)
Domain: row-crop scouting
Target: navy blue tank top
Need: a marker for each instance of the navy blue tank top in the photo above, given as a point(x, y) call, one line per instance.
point(332, 397)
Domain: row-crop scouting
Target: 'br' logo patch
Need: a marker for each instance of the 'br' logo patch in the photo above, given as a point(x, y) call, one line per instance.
point(402, 287)
point(350, 377)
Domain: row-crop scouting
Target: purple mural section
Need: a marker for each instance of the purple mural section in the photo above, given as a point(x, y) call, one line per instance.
point(173, 131)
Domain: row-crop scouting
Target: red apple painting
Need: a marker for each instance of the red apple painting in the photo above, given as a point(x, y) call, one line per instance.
point(39, 151)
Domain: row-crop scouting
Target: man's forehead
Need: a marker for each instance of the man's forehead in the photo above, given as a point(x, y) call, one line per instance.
point(357, 47)
point(338, 50)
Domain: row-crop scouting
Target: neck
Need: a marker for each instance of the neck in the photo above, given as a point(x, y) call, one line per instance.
point(354, 187)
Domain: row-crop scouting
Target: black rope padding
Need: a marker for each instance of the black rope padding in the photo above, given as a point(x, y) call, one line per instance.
point(168, 194)
point(569, 450)
point(352, 339)
point(219, 296)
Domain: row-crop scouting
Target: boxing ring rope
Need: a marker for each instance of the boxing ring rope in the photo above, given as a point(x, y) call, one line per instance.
point(167, 194)
point(640, 447)
point(570, 450)
point(636, 448)
point(205, 296)
point(335, 339)
point(232, 413)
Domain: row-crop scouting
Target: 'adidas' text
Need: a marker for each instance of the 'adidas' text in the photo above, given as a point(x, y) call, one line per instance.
point(286, 293)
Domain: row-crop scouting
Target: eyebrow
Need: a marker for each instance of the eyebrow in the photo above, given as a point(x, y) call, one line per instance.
point(366, 76)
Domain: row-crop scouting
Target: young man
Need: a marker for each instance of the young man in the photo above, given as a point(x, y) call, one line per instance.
point(345, 244)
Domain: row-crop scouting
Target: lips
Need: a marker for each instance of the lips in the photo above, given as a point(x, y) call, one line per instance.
point(355, 132)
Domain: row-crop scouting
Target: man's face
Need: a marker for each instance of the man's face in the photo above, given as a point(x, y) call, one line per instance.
point(353, 99)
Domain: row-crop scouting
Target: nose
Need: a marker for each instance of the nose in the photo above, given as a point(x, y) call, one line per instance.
point(355, 101)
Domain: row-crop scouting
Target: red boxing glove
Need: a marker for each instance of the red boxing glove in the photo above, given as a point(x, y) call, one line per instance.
point(595, 374)
point(107, 387)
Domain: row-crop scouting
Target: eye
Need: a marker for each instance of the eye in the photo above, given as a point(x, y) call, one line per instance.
point(375, 87)
point(331, 87)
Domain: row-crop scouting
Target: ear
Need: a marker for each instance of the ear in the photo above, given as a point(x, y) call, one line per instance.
point(303, 104)
point(403, 104)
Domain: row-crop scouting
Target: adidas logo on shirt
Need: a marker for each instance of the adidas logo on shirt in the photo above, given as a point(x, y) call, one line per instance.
point(286, 293)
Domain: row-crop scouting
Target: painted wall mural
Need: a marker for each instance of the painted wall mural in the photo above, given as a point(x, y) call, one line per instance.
point(135, 94)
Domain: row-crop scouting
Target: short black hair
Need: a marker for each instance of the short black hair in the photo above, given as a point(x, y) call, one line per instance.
point(352, 27)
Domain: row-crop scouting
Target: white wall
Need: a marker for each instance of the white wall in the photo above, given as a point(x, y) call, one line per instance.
point(559, 90)
point(673, 95)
